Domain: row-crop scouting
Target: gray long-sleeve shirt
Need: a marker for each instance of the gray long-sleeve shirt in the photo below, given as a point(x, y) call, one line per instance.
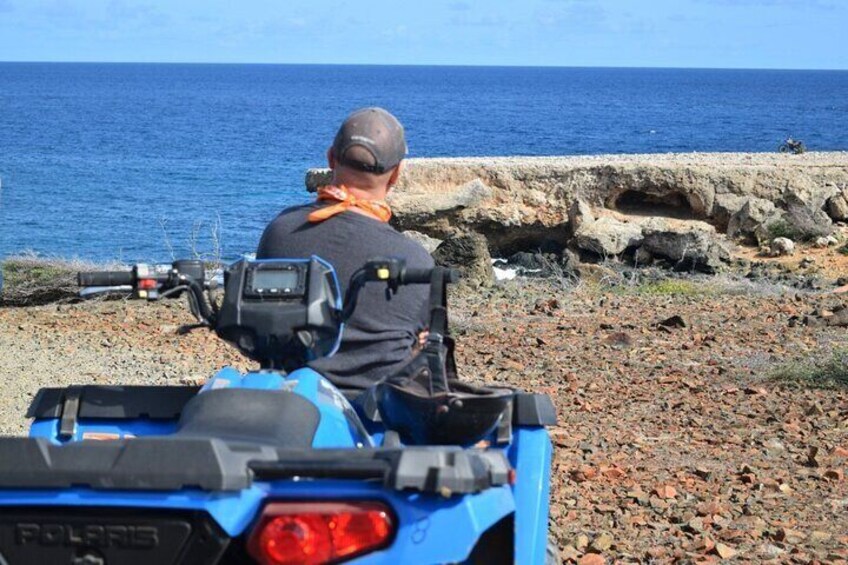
point(380, 335)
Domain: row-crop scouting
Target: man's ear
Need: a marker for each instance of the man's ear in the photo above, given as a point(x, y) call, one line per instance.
point(393, 180)
point(331, 158)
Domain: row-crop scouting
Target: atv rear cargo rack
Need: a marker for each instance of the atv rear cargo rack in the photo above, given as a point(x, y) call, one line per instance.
point(209, 464)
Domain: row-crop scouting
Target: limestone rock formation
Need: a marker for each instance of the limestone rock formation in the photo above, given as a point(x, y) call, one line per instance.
point(531, 203)
point(469, 254)
point(607, 236)
point(837, 206)
point(579, 214)
point(750, 221)
point(686, 247)
point(427, 242)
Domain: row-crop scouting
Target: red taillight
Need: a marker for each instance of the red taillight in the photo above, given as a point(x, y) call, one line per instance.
point(146, 284)
point(307, 533)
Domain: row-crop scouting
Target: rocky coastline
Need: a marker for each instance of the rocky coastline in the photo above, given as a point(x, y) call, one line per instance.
point(683, 211)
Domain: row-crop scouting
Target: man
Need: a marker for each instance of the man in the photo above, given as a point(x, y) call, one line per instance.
point(348, 225)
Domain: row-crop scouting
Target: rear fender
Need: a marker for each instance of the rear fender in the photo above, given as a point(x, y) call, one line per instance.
point(530, 455)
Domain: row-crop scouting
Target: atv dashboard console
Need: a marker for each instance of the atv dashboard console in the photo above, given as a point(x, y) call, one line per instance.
point(281, 312)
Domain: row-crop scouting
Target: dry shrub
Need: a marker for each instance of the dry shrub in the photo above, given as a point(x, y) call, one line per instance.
point(30, 280)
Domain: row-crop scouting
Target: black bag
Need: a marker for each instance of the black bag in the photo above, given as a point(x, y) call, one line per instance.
point(425, 402)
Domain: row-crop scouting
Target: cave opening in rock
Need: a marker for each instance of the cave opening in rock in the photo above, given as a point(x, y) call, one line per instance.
point(668, 205)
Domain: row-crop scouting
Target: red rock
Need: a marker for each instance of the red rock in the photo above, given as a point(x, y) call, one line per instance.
point(612, 472)
point(657, 552)
point(665, 491)
point(584, 473)
point(592, 559)
point(704, 545)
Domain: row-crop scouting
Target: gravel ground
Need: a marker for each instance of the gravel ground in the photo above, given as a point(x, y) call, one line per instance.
point(673, 443)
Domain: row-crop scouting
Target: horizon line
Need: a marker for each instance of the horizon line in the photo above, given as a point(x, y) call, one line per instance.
point(422, 65)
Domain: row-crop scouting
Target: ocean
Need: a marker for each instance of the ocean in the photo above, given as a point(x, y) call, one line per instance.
point(140, 162)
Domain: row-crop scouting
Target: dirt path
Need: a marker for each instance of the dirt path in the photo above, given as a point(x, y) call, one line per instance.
point(672, 444)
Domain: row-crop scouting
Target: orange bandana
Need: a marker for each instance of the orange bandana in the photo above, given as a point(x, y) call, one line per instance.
point(377, 209)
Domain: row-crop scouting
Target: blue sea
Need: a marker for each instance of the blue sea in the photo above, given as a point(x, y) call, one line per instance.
point(137, 162)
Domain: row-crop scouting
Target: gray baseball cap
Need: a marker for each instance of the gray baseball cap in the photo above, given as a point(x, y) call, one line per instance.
point(370, 140)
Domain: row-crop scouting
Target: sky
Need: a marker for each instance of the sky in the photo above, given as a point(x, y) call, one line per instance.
point(777, 34)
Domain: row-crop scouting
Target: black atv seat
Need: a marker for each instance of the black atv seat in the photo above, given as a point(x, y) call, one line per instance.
point(269, 417)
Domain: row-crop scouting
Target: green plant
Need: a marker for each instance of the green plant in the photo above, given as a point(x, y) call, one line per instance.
point(781, 228)
point(830, 371)
point(671, 287)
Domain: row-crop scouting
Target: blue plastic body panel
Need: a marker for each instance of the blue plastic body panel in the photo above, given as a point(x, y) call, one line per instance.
point(431, 528)
point(530, 455)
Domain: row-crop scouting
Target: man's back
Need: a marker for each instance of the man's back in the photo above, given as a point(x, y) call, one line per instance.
point(380, 335)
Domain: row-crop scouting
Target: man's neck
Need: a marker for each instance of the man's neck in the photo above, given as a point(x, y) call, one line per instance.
point(372, 193)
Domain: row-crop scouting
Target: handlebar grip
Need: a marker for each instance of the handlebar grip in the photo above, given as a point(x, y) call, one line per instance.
point(416, 276)
point(106, 278)
point(423, 276)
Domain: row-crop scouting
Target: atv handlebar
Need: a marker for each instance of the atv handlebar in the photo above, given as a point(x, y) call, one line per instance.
point(155, 282)
point(106, 278)
point(424, 276)
point(394, 273)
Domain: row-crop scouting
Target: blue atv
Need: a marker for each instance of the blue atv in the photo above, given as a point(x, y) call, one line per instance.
point(277, 465)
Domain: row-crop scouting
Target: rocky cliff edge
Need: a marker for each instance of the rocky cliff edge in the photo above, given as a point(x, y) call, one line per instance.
point(525, 202)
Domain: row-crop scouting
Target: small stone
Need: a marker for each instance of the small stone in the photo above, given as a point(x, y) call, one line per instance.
point(774, 446)
point(656, 552)
point(725, 551)
point(601, 543)
point(812, 454)
point(569, 553)
point(673, 322)
point(612, 472)
point(584, 473)
point(708, 509)
point(819, 536)
point(703, 473)
point(638, 497)
point(781, 246)
point(788, 535)
point(582, 542)
point(771, 551)
point(592, 559)
point(704, 545)
point(696, 525)
point(834, 474)
point(814, 409)
point(665, 491)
